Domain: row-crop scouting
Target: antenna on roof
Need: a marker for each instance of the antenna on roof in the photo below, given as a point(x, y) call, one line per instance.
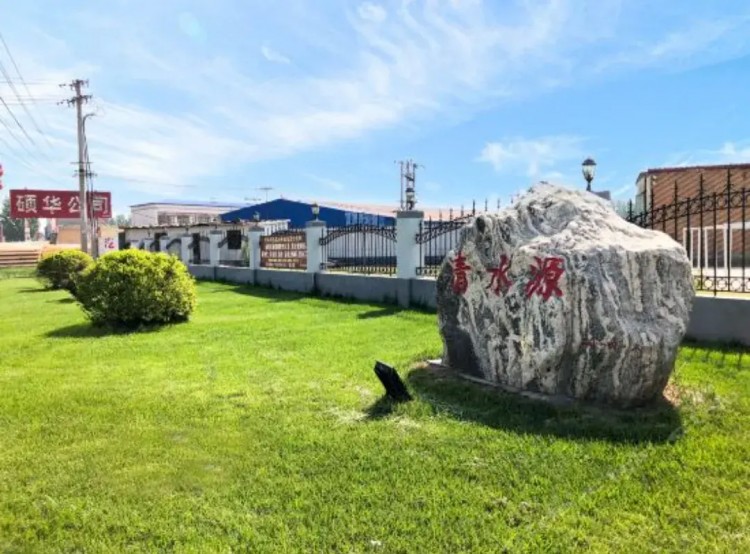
point(408, 183)
point(265, 189)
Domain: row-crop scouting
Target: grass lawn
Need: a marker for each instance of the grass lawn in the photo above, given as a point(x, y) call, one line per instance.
point(258, 426)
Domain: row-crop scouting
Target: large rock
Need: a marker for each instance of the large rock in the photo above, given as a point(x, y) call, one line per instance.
point(559, 295)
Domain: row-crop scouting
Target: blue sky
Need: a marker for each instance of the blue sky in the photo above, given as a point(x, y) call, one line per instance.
point(213, 99)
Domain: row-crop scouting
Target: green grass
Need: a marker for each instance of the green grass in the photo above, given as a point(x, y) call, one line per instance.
point(16, 272)
point(258, 426)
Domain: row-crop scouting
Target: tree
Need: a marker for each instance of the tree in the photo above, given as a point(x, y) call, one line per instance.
point(621, 207)
point(120, 220)
point(13, 228)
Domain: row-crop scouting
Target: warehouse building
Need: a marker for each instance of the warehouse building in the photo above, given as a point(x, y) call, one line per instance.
point(299, 213)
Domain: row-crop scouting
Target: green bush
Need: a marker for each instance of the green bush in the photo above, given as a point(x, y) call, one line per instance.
point(62, 270)
point(130, 288)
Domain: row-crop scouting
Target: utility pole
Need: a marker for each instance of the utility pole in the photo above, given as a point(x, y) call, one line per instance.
point(79, 100)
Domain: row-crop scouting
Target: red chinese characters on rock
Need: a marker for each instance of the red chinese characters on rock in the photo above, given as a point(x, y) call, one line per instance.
point(460, 279)
point(545, 278)
point(499, 281)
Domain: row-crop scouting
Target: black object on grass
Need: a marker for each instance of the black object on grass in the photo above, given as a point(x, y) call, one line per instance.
point(394, 386)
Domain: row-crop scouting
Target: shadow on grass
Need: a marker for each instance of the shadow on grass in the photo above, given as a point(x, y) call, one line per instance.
point(720, 355)
point(381, 408)
point(382, 311)
point(67, 300)
point(264, 293)
point(87, 330)
point(495, 408)
point(382, 308)
point(30, 290)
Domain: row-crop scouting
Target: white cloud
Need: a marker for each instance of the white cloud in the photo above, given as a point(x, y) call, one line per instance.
point(180, 113)
point(625, 190)
point(534, 157)
point(328, 183)
point(699, 42)
point(190, 25)
point(372, 12)
point(728, 153)
point(273, 56)
point(733, 153)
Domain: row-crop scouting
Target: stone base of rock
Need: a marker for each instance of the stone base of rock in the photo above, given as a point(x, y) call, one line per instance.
point(558, 401)
point(555, 400)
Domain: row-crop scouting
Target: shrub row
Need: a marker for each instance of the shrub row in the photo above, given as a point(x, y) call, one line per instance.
point(63, 269)
point(128, 288)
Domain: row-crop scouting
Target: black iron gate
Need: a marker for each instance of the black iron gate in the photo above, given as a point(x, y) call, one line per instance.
point(360, 249)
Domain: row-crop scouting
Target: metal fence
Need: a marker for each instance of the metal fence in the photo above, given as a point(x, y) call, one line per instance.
point(200, 248)
point(714, 229)
point(174, 247)
point(436, 238)
point(359, 248)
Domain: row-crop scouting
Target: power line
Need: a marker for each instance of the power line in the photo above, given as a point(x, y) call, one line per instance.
point(50, 99)
point(20, 125)
point(28, 91)
point(18, 72)
point(43, 174)
point(13, 135)
point(12, 86)
point(166, 183)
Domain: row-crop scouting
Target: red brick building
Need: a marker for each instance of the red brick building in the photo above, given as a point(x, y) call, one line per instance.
point(706, 208)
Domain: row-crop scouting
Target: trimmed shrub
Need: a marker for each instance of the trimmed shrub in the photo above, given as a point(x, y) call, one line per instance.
point(131, 288)
point(62, 270)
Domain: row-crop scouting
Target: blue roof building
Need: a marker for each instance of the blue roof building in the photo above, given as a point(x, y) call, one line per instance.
point(299, 213)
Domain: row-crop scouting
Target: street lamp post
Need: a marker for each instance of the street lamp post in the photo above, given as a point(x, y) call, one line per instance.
point(589, 169)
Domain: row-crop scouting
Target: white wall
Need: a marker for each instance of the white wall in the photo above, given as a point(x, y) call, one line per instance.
point(143, 216)
point(148, 214)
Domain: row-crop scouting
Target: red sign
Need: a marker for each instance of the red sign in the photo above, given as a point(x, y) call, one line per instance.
point(284, 250)
point(58, 204)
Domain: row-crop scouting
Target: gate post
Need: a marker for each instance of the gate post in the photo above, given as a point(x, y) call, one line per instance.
point(314, 231)
point(214, 239)
point(253, 245)
point(407, 249)
point(185, 243)
point(147, 244)
point(163, 242)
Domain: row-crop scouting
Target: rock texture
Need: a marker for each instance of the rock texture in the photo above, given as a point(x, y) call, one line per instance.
point(559, 295)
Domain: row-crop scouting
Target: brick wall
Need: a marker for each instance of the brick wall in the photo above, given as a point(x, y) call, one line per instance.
point(719, 207)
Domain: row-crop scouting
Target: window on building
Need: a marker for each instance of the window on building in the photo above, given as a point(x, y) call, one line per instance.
point(234, 239)
point(643, 197)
